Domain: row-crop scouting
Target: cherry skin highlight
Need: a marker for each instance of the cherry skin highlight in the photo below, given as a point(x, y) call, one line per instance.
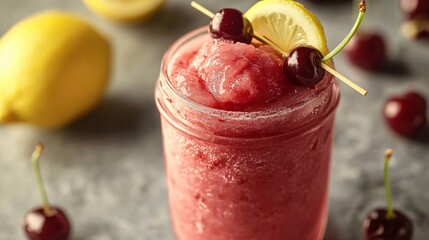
point(406, 114)
point(366, 50)
point(377, 226)
point(303, 66)
point(229, 24)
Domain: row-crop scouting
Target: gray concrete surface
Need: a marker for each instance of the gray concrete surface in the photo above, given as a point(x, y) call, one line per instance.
point(106, 170)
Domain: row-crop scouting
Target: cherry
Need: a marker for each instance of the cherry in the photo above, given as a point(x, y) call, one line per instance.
point(39, 226)
point(415, 8)
point(378, 227)
point(47, 222)
point(387, 224)
point(303, 66)
point(366, 50)
point(229, 24)
point(406, 114)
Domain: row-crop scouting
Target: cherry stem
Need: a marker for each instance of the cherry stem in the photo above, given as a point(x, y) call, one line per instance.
point(387, 156)
point(39, 180)
point(362, 10)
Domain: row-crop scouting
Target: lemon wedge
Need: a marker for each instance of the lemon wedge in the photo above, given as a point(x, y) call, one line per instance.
point(125, 11)
point(288, 24)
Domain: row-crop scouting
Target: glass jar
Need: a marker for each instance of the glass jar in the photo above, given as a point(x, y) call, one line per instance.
point(259, 175)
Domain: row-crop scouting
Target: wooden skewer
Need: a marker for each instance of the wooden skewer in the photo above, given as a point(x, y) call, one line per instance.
point(265, 40)
point(202, 9)
point(344, 79)
point(272, 44)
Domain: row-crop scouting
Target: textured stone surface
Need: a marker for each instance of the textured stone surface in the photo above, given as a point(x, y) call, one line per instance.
point(106, 170)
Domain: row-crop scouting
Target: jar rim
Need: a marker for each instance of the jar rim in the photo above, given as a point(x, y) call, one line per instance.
point(226, 114)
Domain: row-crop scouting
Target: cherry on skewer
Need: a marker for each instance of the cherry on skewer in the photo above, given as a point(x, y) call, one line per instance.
point(303, 66)
point(230, 24)
point(387, 224)
point(46, 222)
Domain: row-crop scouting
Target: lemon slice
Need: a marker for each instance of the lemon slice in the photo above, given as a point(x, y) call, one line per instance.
point(125, 11)
point(288, 24)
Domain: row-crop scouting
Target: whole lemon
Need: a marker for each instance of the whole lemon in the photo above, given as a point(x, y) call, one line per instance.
point(54, 68)
point(125, 11)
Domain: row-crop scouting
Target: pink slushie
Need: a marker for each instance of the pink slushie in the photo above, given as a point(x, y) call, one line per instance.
point(247, 153)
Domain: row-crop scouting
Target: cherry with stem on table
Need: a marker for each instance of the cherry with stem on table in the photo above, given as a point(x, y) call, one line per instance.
point(387, 223)
point(46, 222)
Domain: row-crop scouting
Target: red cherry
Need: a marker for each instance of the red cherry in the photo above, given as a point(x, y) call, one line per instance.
point(39, 226)
point(415, 8)
point(406, 114)
point(302, 66)
point(366, 50)
point(47, 223)
point(230, 24)
point(387, 224)
point(377, 226)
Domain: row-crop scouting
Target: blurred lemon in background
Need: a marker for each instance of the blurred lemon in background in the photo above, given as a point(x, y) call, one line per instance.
point(54, 68)
point(125, 11)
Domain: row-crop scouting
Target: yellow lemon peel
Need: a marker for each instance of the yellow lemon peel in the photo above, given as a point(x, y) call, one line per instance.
point(54, 68)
